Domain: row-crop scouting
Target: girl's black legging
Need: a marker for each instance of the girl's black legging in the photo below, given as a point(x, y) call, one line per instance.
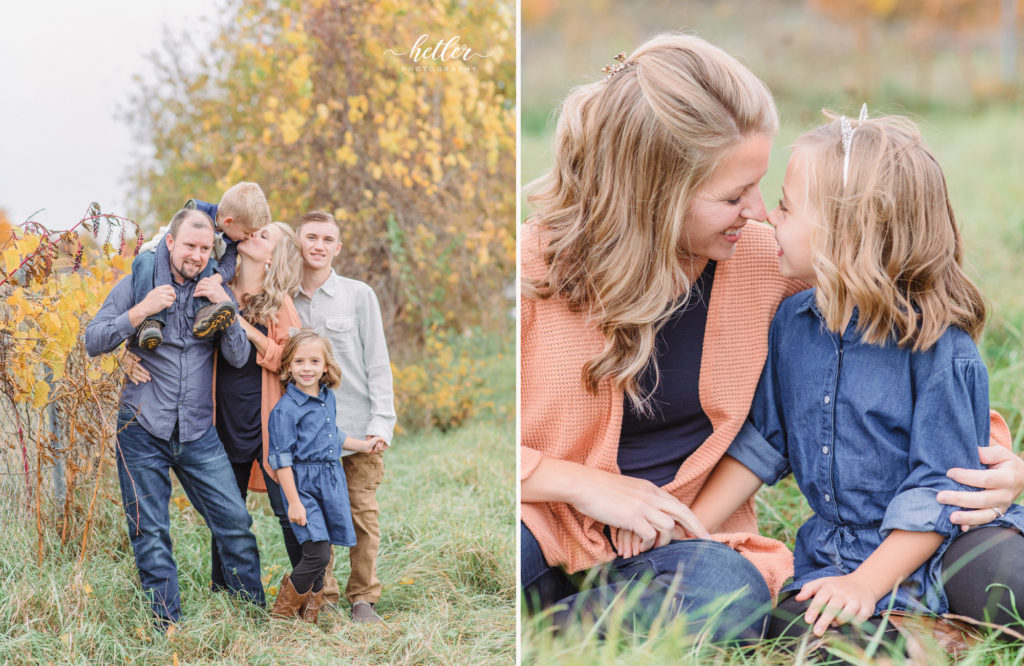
point(309, 572)
point(983, 573)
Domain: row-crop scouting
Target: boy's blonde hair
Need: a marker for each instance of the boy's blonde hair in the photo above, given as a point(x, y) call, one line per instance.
point(245, 203)
point(888, 241)
point(631, 153)
point(280, 282)
point(332, 371)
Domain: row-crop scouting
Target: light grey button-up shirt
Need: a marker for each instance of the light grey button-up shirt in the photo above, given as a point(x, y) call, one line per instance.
point(181, 368)
point(347, 312)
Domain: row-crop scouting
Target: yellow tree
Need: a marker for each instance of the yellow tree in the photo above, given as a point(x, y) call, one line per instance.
point(396, 116)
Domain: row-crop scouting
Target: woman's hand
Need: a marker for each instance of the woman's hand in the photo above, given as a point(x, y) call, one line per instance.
point(212, 289)
point(134, 370)
point(1000, 484)
point(613, 499)
point(837, 600)
point(297, 513)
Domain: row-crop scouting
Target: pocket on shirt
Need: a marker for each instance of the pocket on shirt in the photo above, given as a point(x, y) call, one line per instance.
point(342, 332)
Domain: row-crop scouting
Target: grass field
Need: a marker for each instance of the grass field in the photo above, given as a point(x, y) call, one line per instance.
point(446, 562)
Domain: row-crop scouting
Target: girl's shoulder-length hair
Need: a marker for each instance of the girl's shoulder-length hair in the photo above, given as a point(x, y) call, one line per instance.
point(887, 240)
point(332, 371)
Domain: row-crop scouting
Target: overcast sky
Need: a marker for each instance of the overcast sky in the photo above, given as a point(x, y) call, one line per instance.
point(65, 68)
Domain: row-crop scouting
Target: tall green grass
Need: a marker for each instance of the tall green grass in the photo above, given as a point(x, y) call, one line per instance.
point(446, 562)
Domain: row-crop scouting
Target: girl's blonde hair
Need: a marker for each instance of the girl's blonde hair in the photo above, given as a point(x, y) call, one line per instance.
point(888, 241)
point(280, 282)
point(631, 153)
point(332, 372)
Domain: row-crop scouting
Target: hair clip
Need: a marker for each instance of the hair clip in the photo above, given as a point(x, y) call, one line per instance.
point(847, 135)
point(612, 70)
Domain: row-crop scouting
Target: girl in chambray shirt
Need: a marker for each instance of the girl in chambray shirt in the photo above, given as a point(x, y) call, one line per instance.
point(873, 389)
point(305, 449)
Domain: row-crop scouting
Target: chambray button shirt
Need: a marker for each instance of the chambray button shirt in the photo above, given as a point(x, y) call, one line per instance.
point(305, 437)
point(869, 432)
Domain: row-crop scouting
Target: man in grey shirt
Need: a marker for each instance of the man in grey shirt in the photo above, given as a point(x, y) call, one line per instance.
point(167, 423)
point(347, 312)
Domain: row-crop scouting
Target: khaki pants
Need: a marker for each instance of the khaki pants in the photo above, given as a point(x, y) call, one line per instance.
point(363, 473)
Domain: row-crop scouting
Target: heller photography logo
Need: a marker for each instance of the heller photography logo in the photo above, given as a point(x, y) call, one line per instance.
point(447, 55)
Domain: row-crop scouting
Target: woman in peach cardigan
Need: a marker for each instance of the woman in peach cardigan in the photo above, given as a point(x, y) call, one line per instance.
point(647, 298)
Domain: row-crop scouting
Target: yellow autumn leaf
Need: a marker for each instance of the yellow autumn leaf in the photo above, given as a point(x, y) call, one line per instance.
point(12, 259)
point(40, 394)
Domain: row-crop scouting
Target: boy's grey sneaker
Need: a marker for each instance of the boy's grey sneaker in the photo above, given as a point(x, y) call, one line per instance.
point(363, 611)
point(213, 318)
point(151, 334)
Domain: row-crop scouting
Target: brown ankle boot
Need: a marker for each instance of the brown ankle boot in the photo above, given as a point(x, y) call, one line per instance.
point(288, 600)
point(310, 611)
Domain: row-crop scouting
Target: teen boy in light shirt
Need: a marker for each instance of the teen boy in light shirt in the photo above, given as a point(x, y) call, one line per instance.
point(348, 313)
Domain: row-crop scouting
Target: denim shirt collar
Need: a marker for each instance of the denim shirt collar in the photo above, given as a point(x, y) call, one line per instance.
point(809, 304)
point(301, 397)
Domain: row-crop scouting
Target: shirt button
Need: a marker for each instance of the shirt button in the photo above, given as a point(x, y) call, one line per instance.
point(824, 450)
point(827, 399)
point(828, 498)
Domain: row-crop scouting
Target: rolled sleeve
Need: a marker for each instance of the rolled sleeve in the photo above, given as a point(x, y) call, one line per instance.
point(757, 454)
point(951, 419)
point(283, 437)
point(234, 346)
point(916, 510)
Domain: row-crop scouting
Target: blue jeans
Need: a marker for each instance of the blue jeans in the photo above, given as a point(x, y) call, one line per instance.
point(205, 474)
point(695, 577)
point(150, 269)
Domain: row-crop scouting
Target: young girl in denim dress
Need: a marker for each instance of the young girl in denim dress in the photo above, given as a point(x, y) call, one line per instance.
point(873, 389)
point(305, 449)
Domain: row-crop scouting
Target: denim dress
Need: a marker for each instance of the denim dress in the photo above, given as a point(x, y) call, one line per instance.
point(304, 435)
point(869, 432)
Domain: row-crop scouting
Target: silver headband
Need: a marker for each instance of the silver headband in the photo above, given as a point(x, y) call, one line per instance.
point(847, 133)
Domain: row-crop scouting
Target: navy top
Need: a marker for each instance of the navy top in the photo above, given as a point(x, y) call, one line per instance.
point(869, 432)
point(654, 447)
point(181, 368)
point(304, 435)
point(239, 403)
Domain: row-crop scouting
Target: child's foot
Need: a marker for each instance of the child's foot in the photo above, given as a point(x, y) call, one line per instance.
point(363, 611)
point(151, 334)
point(213, 318)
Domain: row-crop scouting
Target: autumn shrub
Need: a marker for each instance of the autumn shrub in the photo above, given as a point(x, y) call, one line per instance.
point(331, 105)
point(442, 390)
point(56, 404)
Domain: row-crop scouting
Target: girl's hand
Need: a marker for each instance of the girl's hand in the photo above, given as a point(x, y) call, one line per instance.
point(1000, 484)
point(212, 289)
point(377, 443)
point(837, 600)
point(627, 543)
point(134, 370)
point(297, 513)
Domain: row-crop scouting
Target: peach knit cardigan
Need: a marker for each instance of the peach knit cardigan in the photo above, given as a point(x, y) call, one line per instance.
point(560, 418)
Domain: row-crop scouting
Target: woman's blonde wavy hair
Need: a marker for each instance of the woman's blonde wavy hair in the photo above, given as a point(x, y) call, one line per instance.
point(631, 153)
point(888, 241)
point(281, 279)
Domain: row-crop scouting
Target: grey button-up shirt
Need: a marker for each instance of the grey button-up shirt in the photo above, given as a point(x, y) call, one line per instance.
point(347, 312)
point(180, 391)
